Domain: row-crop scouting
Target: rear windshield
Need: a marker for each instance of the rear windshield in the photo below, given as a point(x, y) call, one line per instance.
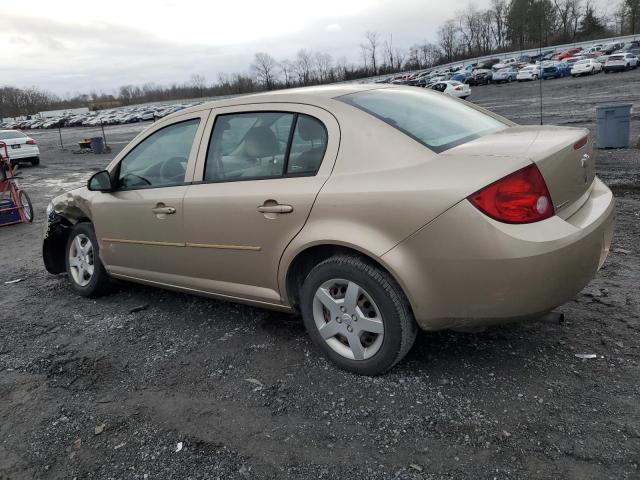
point(433, 119)
point(11, 134)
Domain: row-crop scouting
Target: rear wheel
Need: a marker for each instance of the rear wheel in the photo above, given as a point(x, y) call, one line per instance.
point(357, 315)
point(86, 272)
point(35, 161)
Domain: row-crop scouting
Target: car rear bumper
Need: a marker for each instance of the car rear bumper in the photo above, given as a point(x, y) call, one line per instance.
point(23, 152)
point(613, 68)
point(466, 270)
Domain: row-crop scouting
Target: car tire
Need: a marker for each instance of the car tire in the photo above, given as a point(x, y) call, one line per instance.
point(27, 206)
point(35, 161)
point(86, 272)
point(379, 303)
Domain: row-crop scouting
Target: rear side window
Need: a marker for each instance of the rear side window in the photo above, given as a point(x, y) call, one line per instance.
point(263, 145)
point(9, 135)
point(436, 121)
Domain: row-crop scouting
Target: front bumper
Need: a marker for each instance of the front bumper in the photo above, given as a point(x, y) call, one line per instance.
point(466, 270)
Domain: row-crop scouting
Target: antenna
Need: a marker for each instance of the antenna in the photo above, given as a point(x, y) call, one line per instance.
point(540, 63)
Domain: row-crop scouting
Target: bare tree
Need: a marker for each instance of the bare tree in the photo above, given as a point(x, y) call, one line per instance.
point(303, 66)
point(265, 68)
point(323, 62)
point(198, 82)
point(498, 14)
point(371, 49)
point(286, 67)
point(448, 38)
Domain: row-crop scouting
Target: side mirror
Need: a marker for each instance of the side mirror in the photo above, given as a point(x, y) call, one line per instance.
point(100, 182)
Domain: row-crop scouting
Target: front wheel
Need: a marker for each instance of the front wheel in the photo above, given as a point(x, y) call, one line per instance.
point(357, 315)
point(86, 272)
point(27, 206)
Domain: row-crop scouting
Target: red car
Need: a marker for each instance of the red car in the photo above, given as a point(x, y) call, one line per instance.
point(566, 54)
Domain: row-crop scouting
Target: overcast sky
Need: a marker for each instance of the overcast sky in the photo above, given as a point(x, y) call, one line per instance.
point(75, 46)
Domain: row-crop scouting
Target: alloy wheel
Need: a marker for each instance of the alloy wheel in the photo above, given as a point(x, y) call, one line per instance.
point(348, 319)
point(81, 259)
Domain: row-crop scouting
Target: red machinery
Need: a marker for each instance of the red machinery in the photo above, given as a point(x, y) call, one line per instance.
point(15, 205)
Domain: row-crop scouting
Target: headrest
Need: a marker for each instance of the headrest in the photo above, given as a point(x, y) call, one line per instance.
point(261, 142)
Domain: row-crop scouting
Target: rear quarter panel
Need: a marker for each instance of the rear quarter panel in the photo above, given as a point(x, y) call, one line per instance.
point(385, 186)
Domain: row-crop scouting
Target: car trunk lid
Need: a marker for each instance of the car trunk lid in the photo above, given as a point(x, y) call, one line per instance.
point(568, 168)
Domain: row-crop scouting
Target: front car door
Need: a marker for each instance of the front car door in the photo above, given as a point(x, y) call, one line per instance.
point(139, 225)
point(258, 179)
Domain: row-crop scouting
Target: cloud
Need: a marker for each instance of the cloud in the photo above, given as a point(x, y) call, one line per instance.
point(78, 47)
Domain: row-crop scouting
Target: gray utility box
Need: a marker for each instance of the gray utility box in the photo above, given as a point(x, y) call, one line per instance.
point(613, 125)
point(97, 145)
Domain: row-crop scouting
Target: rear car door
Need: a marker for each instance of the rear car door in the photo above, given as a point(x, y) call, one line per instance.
point(259, 176)
point(139, 226)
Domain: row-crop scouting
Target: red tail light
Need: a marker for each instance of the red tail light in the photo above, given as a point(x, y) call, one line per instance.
point(580, 143)
point(521, 197)
point(31, 141)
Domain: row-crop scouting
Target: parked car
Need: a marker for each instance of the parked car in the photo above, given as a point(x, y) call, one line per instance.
point(587, 66)
point(487, 64)
point(504, 75)
point(571, 52)
point(476, 215)
point(609, 48)
point(629, 46)
point(602, 59)
point(480, 77)
point(555, 70)
point(461, 76)
point(620, 61)
point(453, 88)
point(540, 56)
point(20, 147)
point(529, 72)
point(573, 60)
point(508, 62)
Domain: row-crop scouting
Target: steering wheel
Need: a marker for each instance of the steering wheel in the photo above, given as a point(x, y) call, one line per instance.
point(172, 169)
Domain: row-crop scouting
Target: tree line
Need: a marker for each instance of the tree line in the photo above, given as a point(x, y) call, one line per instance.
point(505, 25)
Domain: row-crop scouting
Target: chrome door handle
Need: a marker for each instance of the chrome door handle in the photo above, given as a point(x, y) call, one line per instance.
point(275, 208)
point(163, 210)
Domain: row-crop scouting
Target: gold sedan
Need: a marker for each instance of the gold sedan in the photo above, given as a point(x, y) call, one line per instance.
point(370, 209)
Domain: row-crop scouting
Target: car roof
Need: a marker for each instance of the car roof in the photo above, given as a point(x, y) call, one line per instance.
point(316, 95)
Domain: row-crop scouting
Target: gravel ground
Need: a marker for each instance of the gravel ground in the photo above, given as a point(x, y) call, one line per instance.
point(152, 384)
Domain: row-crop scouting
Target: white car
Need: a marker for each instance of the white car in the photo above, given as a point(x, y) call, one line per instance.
point(20, 147)
point(529, 72)
point(508, 62)
point(453, 88)
point(588, 66)
point(620, 61)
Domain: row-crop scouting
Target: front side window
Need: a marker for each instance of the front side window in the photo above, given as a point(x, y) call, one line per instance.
point(436, 121)
point(262, 145)
point(161, 159)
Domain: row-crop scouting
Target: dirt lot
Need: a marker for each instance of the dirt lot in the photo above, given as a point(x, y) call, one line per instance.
point(109, 389)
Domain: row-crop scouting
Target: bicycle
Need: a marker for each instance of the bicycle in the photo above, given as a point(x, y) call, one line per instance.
point(15, 204)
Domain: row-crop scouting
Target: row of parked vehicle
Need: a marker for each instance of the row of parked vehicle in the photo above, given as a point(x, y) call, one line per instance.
point(548, 64)
point(115, 116)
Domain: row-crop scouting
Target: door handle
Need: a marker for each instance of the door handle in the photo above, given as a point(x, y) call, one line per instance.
point(163, 210)
point(277, 208)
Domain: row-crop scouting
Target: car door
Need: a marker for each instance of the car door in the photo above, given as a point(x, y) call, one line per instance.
point(259, 174)
point(139, 225)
